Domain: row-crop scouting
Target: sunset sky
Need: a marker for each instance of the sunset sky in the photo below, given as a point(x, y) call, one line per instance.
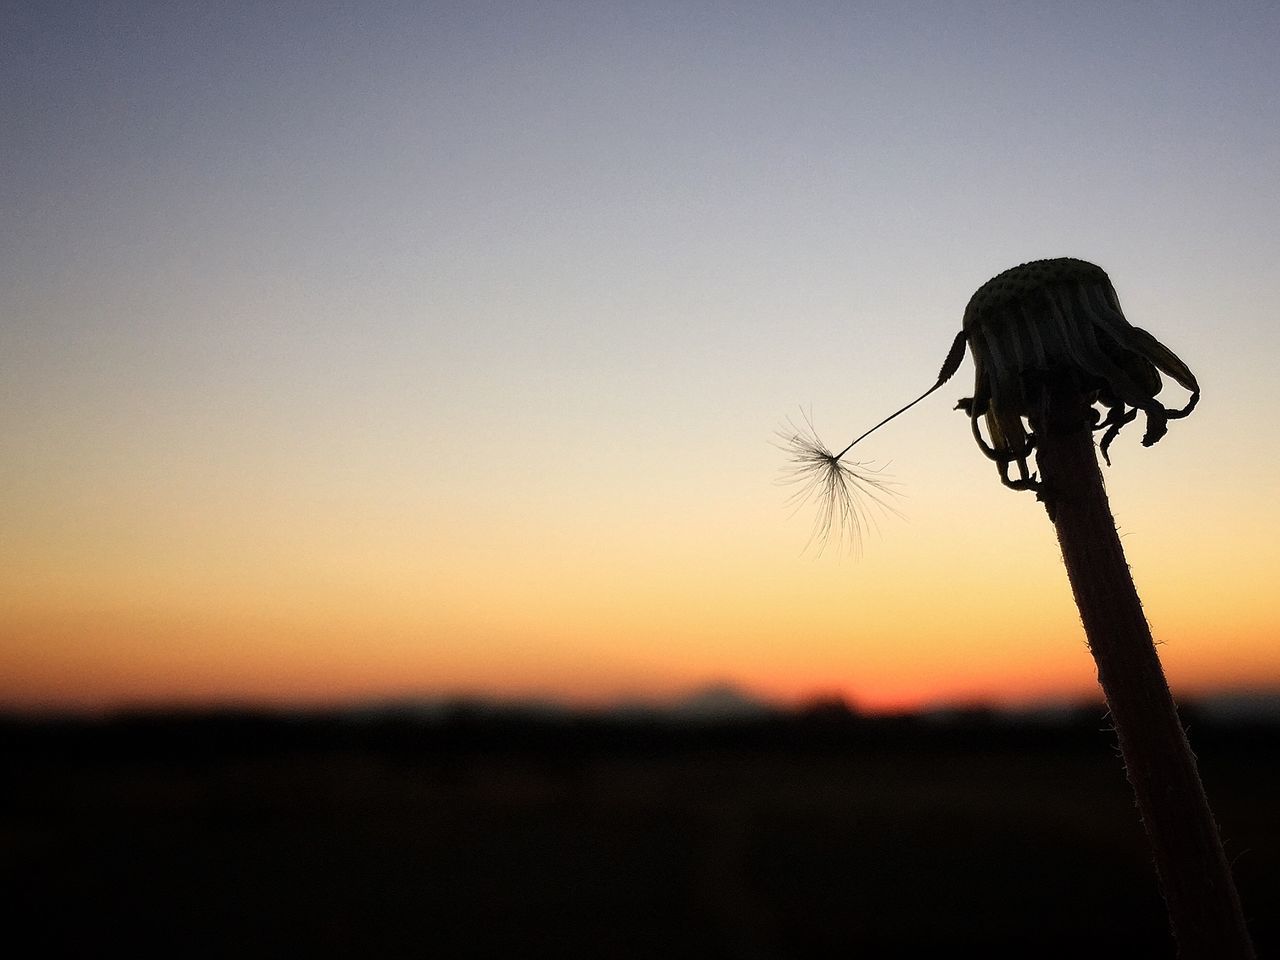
point(363, 350)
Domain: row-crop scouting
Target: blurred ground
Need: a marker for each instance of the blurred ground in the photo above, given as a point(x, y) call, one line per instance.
point(471, 836)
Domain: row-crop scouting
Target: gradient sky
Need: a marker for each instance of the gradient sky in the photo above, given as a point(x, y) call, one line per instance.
point(375, 349)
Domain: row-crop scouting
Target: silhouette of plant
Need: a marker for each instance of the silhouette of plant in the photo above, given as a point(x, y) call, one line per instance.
point(1056, 360)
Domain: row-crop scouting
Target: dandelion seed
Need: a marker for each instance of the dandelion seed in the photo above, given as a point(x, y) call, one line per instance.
point(844, 490)
point(848, 495)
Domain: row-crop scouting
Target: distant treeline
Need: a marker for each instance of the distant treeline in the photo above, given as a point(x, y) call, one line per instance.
point(467, 728)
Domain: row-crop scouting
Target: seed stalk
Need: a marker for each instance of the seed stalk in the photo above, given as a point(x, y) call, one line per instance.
point(1195, 878)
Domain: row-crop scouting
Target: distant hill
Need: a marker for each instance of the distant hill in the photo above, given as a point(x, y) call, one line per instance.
point(718, 702)
point(714, 702)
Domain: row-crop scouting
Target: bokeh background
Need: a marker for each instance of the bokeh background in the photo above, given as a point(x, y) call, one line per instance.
point(388, 350)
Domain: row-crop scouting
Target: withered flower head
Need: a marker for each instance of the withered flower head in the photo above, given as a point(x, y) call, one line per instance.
point(1053, 321)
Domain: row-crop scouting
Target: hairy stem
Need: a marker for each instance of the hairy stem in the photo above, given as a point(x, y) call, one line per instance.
point(1204, 908)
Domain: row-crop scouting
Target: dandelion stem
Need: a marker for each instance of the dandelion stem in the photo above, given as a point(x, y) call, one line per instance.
point(840, 455)
point(1204, 908)
point(949, 367)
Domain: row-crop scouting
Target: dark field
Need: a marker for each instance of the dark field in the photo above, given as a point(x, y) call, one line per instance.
point(501, 836)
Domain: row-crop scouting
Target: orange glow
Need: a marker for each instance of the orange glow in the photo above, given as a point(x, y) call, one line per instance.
point(316, 617)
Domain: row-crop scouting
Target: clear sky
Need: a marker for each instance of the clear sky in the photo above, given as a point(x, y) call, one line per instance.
point(377, 349)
